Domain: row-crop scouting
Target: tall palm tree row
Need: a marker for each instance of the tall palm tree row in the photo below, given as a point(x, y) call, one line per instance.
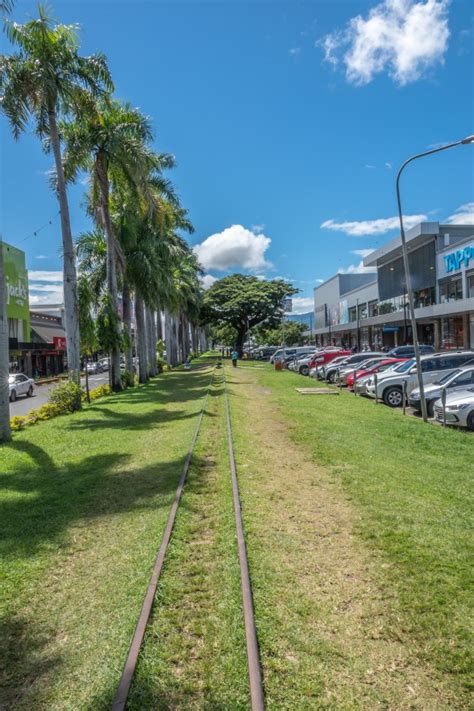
point(44, 80)
point(134, 254)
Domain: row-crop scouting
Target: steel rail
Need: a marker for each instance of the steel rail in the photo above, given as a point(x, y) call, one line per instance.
point(253, 655)
point(128, 672)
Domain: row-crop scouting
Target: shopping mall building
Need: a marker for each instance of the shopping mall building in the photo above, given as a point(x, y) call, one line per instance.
point(37, 339)
point(371, 309)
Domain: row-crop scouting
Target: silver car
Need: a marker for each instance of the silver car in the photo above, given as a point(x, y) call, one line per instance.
point(452, 382)
point(19, 384)
point(459, 409)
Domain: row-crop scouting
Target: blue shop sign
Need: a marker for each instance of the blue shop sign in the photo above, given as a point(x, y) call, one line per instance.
point(456, 260)
point(390, 329)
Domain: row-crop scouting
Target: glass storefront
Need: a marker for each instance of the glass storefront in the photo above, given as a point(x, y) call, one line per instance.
point(471, 331)
point(452, 332)
point(450, 290)
point(470, 285)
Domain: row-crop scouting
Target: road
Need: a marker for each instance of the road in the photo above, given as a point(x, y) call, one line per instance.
point(24, 404)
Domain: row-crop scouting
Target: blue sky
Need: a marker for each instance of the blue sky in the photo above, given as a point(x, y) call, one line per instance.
point(288, 121)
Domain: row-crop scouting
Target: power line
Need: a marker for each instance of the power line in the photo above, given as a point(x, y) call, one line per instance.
point(39, 229)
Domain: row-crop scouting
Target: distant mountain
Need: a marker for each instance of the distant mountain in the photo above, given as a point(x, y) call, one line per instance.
point(307, 318)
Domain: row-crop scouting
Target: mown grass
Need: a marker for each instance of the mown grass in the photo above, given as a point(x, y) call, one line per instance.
point(83, 501)
point(194, 654)
point(410, 487)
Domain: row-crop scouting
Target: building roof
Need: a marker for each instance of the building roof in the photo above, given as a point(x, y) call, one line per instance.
point(47, 333)
point(416, 237)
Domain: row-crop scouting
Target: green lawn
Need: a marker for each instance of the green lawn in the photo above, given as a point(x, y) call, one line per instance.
point(359, 534)
point(394, 499)
point(83, 501)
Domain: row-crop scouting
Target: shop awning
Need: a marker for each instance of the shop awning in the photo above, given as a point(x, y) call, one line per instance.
point(48, 333)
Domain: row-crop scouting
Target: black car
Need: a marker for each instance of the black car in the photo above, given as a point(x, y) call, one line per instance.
point(409, 351)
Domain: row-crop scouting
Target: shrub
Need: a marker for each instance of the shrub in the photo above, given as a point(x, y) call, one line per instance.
point(128, 380)
point(17, 423)
point(66, 397)
point(100, 391)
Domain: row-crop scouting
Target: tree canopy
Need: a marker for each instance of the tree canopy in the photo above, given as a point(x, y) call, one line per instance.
point(245, 301)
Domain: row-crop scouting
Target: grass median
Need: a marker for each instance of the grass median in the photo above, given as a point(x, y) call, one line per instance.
point(83, 502)
point(359, 527)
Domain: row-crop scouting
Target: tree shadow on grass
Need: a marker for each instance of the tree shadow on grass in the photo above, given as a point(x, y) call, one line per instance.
point(24, 655)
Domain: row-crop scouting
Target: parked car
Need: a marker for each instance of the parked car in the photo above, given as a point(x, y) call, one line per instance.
point(370, 367)
point(94, 368)
point(433, 367)
point(284, 353)
point(459, 409)
point(344, 371)
point(302, 365)
point(452, 382)
point(409, 351)
point(19, 384)
point(104, 364)
point(351, 360)
point(319, 371)
point(361, 382)
point(326, 356)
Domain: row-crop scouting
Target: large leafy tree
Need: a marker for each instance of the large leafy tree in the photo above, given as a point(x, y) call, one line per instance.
point(42, 81)
point(243, 302)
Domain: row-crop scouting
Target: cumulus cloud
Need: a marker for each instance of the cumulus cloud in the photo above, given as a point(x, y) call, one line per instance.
point(45, 287)
point(464, 215)
point(362, 252)
point(402, 37)
point(234, 247)
point(207, 281)
point(302, 304)
point(361, 228)
point(357, 269)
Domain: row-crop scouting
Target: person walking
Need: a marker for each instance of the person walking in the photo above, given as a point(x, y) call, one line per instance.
point(234, 356)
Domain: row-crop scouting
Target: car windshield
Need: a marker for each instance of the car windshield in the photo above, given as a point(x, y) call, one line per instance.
point(447, 377)
point(406, 366)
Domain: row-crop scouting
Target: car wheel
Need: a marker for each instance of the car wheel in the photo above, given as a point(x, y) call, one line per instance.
point(393, 397)
point(304, 370)
point(331, 378)
point(470, 421)
point(13, 396)
point(30, 391)
point(430, 407)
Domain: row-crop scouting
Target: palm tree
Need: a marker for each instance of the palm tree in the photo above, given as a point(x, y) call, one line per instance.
point(4, 389)
point(44, 80)
point(111, 142)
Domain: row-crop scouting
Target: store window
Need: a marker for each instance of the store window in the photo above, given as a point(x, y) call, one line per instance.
point(373, 308)
point(450, 290)
point(470, 285)
point(353, 314)
point(452, 332)
point(363, 311)
point(425, 297)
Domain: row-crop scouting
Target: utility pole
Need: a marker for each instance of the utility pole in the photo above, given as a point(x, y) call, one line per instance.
point(5, 433)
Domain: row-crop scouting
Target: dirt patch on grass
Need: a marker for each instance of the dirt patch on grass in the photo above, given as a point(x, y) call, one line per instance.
point(324, 616)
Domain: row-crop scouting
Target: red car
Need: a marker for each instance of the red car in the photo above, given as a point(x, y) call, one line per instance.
point(381, 365)
point(324, 357)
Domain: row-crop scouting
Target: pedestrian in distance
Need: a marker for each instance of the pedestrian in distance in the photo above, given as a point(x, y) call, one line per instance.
point(234, 357)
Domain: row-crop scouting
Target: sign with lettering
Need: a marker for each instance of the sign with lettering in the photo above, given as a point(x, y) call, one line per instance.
point(59, 343)
point(16, 285)
point(461, 258)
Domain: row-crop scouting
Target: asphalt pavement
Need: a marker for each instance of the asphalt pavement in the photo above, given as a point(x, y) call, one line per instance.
point(24, 404)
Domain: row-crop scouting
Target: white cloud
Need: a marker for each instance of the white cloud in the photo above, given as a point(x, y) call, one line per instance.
point(369, 166)
point(53, 277)
point(45, 287)
point(357, 269)
point(258, 229)
point(320, 281)
point(302, 304)
point(464, 215)
point(373, 227)
point(388, 165)
point(41, 256)
point(234, 247)
point(294, 51)
point(402, 37)
point(207, 281)
point(363, 252)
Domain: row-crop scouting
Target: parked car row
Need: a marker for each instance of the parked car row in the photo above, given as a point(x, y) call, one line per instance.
point(391, 377)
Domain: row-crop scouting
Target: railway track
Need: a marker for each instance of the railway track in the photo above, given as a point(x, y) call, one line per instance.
point(257, 699)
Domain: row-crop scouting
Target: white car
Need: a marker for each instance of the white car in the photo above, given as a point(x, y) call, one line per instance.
point(390, 385)
point(19, 384)
point(461, 379)
point(459, 409)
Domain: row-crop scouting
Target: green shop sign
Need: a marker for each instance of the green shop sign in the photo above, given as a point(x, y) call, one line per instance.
point(16, 282)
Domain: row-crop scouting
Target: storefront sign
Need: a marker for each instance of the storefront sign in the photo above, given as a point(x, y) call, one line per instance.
point(16, 282)
point(59, 343)
point(460, 258)
point(391, 329)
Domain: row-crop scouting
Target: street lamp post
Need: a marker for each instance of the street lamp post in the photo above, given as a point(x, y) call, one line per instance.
point(411, 306)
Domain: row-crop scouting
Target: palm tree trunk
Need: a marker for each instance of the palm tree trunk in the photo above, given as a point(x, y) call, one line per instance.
point(71, 306)
point(168, 339)
point(159, 325)
point(127, 324)
point(149, 342)
point(5, 434)
point(102, 177)
point(141, 339)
